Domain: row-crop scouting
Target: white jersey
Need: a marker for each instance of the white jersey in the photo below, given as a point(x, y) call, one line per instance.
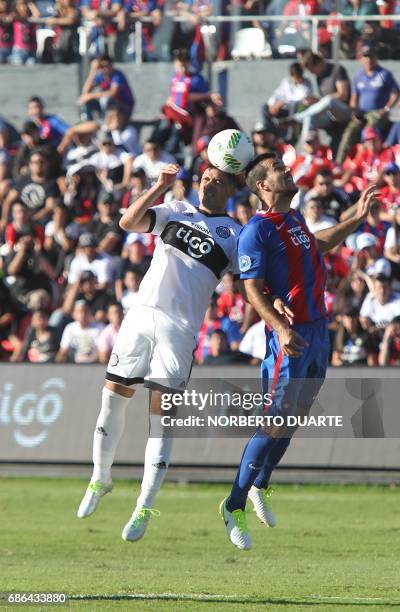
point(192, 254)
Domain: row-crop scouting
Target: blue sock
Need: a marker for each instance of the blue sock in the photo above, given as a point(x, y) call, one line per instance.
point(253, 458)
point(274, 457)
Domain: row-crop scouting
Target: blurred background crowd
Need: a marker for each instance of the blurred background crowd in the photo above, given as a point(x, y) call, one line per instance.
point(62, 30)
point(68, 272)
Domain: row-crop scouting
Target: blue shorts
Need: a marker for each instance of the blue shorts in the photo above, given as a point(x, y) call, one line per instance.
point(294, 382)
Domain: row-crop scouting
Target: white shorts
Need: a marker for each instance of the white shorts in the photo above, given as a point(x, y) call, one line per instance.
point(152, 348)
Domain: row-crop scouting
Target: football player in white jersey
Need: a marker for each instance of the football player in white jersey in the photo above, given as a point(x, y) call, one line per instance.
point(155, 344)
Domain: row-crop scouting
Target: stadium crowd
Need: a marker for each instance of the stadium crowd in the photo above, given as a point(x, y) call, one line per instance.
point(61, 30)
point(68, 272)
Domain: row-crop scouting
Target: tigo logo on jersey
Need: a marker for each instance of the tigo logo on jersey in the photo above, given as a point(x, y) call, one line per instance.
point(299, 237)
point(196, 246)
point(244, 263)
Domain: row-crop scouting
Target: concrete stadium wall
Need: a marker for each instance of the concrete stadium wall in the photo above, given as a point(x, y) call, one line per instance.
point(48, 413)
point(250, 84)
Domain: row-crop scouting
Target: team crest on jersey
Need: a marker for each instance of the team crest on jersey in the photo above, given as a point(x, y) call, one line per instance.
point(223, 231)
point(114, 359)
point(189, 214)
point(244, 263)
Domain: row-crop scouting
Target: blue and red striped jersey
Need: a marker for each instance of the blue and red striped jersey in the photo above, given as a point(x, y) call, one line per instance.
point(280, 249)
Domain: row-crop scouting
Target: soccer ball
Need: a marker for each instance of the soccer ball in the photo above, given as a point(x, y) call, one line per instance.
point(230, 151)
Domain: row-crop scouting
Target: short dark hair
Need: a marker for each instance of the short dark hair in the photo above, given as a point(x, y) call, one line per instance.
point(104, 57)
point(233, 178)
point(311, 59)
point(41, 311)
point(36, 99)
point(39, 151)
point(324, 172)
point(256, 171)
point(30, 128)
point(296, 69)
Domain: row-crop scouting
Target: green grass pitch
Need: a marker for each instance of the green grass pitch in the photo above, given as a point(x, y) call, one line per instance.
point(334, 548)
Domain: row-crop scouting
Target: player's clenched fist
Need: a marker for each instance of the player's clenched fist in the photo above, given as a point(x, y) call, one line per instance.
point(167, 176)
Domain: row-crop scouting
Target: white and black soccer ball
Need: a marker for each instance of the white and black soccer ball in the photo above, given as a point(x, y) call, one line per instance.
point(230, 151)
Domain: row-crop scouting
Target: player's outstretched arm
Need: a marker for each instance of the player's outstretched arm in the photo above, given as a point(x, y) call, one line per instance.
point(137, 218)
point(332, 236)
point(292, 344)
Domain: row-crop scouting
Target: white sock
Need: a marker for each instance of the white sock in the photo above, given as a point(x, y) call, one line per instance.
point(109, 429)
point(156, 460)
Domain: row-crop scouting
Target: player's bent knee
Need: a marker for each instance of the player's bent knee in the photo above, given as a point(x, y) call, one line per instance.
point(122, 390)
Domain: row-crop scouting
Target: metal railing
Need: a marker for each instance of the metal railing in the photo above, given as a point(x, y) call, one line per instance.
point(313, 20)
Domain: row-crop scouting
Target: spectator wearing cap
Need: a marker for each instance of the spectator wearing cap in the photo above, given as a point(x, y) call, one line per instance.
point(108, 335)
point(113, 164)
point(105, 224)
point(367, 164)
point(378, 310)
point(313, 211)
point(85, 288)
point(104, 87)
point(333, 199)
point(375, 92)
point(374, 225)
point(392, 245)
point(79, 339)
point(89, 258)
point(389, 350)
point(153, 160)
point(367, 257)
point(38, 190)
point(52, 128)
point(390, 191)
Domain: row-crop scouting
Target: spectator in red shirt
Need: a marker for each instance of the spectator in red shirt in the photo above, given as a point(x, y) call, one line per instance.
point(22, 225)
point(370, 159)
point(390, 192)
point(315, 156)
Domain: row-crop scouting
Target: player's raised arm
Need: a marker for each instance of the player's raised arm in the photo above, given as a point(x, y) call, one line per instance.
point(137, 217)
point(328, 238)
point(291, 343)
